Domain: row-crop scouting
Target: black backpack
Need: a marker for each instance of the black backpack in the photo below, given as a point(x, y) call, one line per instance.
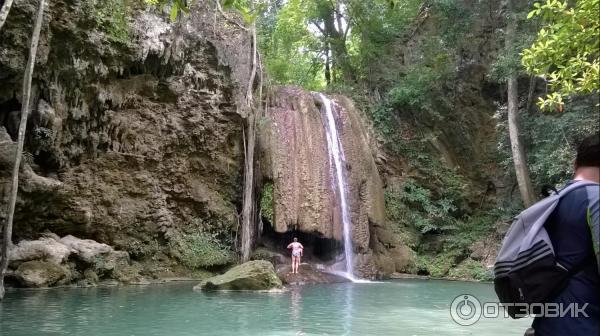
point(526, 270)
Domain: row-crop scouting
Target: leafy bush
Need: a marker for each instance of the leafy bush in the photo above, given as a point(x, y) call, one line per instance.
point(470, 269)
point(554, 137)
point(416, 206)
point(266, 202)
point(111, 17)
point(201, 250)
point(436, 266)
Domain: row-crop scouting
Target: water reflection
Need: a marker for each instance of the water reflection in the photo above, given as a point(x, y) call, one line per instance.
point(296, 309)
point(392, 308)
point(348, 303)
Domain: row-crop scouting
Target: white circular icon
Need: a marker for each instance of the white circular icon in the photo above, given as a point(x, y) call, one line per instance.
point(465, 310)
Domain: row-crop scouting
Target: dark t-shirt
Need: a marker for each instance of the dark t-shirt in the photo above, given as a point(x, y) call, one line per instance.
point(571, 228)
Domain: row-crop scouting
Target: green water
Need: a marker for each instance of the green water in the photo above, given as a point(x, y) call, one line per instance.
point(407, 307)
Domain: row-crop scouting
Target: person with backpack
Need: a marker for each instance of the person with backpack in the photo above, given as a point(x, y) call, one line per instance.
point(551, 254)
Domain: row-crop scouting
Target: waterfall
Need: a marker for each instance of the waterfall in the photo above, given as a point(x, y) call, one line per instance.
point(337, 160)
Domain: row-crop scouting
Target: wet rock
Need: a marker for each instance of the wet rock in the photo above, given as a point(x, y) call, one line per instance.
point(295, 150)
point(128, 274)
point(404, 259)
point(253, 275)
point(385, 264)
point(307, 274)
point(91, 277)
point(265, 254)
point(40, 273)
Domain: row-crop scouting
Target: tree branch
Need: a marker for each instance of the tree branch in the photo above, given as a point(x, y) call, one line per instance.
point(4, 12)
point(227, 18)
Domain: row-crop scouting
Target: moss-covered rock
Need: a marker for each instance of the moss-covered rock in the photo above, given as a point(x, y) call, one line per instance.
point(37, 273)
point(253, 275)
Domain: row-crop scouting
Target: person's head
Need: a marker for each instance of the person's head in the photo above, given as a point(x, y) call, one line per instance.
point(295, 240)
point(587, 162)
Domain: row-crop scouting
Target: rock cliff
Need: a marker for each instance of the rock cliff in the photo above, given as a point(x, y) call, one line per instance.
point(135, 138)
point(298, 163)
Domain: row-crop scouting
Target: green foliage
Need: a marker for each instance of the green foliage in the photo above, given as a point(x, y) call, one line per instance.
point(553, 139)
point(418, 88)
point(454, 21)
point(249, 9)
point(110, 16)
point(567, 48)
point(471, 269)
point(508, 60)
point(140, 249)
point(426, 208)
point(200, 249)
point(177, 7)
point(436, 266)
point(284, 36)
point(42, 139)
point(476, 227)
point(267, 202)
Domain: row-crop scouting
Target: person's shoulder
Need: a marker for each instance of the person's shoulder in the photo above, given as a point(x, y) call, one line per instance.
point(581, 197)
point(586, 190)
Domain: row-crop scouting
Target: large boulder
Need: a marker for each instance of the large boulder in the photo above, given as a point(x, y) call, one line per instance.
point(86, 249)
point(47, 249)
point(101, 257)
point(253, 275)
point(37, 273)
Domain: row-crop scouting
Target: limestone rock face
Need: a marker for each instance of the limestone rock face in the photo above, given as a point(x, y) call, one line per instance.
point(135, 132)
point(253, 275)
point(299, 164)
point(37, 273)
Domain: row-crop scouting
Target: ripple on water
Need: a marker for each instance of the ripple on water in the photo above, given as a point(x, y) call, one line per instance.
point(407, 307)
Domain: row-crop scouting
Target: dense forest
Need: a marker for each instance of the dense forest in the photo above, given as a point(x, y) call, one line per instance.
point(151, 123)
point(437, 80)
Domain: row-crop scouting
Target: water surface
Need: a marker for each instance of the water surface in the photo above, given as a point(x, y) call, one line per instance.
point(404, 308)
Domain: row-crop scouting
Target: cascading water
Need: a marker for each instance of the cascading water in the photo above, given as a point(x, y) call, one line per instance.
point(336, 159)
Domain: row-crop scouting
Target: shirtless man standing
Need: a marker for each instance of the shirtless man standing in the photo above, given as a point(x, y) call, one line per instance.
point(297, 250)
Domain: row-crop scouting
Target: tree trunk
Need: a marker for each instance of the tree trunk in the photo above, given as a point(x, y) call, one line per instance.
point(327, 66)
point(335, 38)
point(7, 236)
point(248, 209)
point(247, 235)
point(518, 153)
point(4, 11)
point(532, 81)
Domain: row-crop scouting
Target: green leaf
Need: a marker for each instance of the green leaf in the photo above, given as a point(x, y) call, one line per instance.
point(174, 12)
